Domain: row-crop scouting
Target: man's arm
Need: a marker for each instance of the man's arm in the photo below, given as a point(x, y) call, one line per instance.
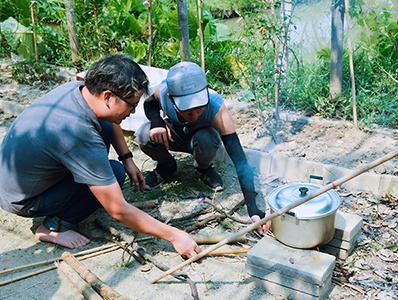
point(121, 148)
point(111, 198)
point(159, 133)
point(224, 123)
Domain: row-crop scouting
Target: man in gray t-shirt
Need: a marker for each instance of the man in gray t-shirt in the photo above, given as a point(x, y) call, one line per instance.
point(54, 159)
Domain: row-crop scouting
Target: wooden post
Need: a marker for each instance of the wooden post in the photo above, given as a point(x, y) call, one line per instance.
point(200, 27)
point(183, 30)
point(73, 40)
point(32, 15)
point(150, 34)
point(336, 49)
point(351, 61)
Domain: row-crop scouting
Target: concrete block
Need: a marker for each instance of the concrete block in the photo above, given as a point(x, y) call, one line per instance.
point(260, 161)
point(364, 182)
point(299, 169)
point(337, 252)
point(347, 226)
point(388, 184)
point(286, 281)
point(280, 290)
point(310, 266)
point(342, 244)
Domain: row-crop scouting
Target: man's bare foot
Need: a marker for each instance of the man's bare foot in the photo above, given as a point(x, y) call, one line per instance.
point(70, 239)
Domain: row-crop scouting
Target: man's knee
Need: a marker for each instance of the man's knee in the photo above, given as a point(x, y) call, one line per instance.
point(206, 142)
point(119, 171)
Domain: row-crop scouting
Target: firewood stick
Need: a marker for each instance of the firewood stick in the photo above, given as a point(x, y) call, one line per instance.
point(83, 287)
point(2, 283)
point(202, 239)
point(229, 251)
point(100, 287)
point(279, 212)
point(146, 204)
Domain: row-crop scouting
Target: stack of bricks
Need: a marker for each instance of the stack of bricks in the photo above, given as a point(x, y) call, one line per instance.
point(293, 273)
point(298, 273)
point(348, 228)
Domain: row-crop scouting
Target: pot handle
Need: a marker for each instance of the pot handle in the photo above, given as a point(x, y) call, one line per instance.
point(316, 177)
point(290, 213)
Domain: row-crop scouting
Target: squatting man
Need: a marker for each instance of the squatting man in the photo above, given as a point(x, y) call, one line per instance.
point(54, 158)
point(194, 120)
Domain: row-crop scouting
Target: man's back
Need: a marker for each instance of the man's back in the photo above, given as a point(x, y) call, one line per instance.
point(33, 154)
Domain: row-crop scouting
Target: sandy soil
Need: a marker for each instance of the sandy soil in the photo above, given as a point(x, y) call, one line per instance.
point(369, 273)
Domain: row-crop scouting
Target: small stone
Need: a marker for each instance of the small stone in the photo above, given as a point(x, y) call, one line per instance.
point(386, 235)
point(392, 225)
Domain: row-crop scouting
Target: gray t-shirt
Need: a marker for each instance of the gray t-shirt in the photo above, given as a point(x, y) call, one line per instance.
point(57, 135)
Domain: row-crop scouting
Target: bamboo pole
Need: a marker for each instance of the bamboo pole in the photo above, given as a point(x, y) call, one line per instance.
point(100, 287)
point(200, 27)
point(83, 287)
point(49, 261)
point(229, 251)
point(279, 212)
point(32, 15)
point(3, 283)
point(204, 239)
point(150, 33)
point(351, 61)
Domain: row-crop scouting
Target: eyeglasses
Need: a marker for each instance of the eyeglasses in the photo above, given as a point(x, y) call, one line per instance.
point(131, 105)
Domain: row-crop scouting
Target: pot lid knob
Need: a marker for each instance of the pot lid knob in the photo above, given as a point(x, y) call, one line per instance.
point(303, 191)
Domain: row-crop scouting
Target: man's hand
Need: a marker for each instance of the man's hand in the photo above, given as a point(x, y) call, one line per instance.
point(184, 244)
point(135, 175)
point(160, 135)
point(263, 229)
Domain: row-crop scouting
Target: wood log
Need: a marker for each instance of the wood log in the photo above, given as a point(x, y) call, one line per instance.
point(202, 239)
point(83, 287)
point(100, 287)
point(229, 251)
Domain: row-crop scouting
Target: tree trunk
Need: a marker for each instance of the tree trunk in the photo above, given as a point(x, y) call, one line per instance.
point(183, 29)
point(286, 15)
point(276, 68)
point(349, 46)
point(70, 19)
point(336, 50)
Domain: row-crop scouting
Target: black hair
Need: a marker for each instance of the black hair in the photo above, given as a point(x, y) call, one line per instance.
point(119, 74)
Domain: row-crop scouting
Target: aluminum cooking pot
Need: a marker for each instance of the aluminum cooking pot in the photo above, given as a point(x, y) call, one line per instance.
point(310, 224)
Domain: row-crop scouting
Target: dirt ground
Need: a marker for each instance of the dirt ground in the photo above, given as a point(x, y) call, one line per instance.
point(369, 273)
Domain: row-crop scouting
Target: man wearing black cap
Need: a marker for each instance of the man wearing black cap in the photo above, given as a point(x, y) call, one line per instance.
point(196, 121)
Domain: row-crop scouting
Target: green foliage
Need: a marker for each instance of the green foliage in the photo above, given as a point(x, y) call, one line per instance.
point(19, 9)
point(110, 26)
point(5, 49)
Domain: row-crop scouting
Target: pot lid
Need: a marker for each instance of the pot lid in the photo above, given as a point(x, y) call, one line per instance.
point(320, 206)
